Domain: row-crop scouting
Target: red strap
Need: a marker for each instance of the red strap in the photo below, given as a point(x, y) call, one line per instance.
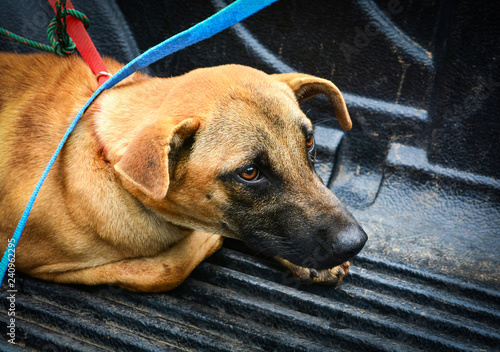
point(84, 44)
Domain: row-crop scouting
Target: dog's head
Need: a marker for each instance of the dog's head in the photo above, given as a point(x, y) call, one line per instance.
point(232, 153)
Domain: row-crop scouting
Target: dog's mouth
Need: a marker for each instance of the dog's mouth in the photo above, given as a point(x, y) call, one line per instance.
point(309, 256)
point(315, 253)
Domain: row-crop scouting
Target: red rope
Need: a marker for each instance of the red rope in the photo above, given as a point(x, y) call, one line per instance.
point(84, 44)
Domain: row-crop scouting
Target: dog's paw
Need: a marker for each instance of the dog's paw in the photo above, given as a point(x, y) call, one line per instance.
point(329, 277)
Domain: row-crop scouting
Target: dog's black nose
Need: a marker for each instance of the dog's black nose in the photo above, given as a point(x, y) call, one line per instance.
point(348, 243)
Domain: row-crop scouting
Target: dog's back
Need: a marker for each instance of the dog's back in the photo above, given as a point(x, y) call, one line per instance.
point(80, 209)
point(38, 94)
point(29, 84)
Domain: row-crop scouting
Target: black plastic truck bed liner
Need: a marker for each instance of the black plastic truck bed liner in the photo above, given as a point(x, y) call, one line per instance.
point(420, 170)
point(236, 302)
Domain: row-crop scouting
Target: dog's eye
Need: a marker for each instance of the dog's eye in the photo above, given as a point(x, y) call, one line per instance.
point(309, 141)
point(251, 173)
point(311, 147)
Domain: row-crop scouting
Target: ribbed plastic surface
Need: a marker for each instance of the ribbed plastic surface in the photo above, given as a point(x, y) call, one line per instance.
point(237, 302)
point(419, 168)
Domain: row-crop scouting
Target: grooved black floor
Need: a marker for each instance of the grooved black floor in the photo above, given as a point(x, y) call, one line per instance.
point(237, 302)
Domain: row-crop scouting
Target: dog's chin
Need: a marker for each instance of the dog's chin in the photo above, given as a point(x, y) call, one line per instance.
point(310, 263)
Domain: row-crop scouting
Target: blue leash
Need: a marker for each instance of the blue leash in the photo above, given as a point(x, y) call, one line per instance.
point(225, 18)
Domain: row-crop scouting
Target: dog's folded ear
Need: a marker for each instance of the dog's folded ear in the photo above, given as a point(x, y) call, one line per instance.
point(145, 161)
point(307, 86)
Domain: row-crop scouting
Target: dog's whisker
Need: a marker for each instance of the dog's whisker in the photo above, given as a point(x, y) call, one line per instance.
point(321, 121)
point(276, 244)
point(208, 239)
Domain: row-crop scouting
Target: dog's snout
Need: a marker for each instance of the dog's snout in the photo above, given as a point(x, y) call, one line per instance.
point(349, 242)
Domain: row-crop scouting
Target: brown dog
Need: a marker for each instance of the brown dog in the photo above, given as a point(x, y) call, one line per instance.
point(157, 170)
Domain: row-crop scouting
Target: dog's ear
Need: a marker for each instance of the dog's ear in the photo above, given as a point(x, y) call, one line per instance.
point(306, 86)
point(145, 161)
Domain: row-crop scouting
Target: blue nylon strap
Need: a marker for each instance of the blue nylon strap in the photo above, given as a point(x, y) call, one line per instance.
point(233, 13)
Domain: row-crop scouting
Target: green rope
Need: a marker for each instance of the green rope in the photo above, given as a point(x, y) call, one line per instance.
point(61, 43)
point(57, 34)
point(26, 41)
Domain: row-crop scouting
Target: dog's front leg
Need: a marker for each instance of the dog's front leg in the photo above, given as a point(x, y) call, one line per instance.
point(330, 277)
point(163, 272)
